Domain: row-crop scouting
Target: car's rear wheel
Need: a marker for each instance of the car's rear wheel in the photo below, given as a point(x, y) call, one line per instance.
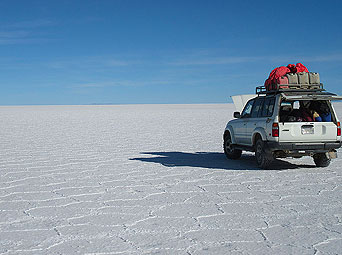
point(263, 156)
point(229, 150)
point(321, 160)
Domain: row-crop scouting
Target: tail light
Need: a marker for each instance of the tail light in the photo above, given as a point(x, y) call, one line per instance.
point(275, 130)
point(338, 129)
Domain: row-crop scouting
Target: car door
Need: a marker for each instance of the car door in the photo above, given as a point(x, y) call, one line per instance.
point(241, 125)
point(254, 120)
point(264, 120)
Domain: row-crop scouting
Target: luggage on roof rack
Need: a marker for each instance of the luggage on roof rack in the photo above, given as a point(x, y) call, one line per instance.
point(292, 77)
point(302, 80)
point(314, 78)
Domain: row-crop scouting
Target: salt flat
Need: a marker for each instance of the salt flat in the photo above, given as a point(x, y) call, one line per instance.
point(152, 179)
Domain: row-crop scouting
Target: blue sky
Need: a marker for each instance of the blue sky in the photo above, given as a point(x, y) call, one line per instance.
point(119, 52)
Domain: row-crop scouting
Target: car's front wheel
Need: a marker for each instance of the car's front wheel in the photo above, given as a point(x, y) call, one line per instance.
point(263, 156)
point(229, 150)
point(321, 160)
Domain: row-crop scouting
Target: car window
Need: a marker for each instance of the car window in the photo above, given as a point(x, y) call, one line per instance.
point(246, 113)
point(256, 107)
point(268, 106)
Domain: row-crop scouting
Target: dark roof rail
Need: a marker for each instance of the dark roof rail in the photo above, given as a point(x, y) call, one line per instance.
point(290, 88)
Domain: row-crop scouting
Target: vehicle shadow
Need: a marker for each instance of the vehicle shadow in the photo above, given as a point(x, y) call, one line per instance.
point(212, 160)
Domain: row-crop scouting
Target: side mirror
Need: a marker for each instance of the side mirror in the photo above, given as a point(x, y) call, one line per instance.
point(237, 115)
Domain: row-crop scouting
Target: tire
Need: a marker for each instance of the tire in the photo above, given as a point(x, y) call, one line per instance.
point(263, 156)
point(229, 150)
point(321, 160)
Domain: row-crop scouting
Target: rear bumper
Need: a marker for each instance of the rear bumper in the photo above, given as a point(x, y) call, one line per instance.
point(275, 146)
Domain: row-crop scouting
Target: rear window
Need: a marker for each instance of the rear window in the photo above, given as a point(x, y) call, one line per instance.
point(306, 110)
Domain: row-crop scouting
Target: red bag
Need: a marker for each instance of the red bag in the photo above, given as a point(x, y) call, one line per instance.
point(269, 85)
point(298, 68)
point(301, 68)
point(274, 75)
point(292, 68)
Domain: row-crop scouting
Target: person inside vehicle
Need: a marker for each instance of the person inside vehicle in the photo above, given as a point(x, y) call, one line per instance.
point(306, 113)
point(323, 110)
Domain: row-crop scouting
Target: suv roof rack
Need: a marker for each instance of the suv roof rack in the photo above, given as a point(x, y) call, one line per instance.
point(279, 88)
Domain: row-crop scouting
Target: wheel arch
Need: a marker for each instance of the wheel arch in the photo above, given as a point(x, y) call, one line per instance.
point(229, 130)
point(258, 134)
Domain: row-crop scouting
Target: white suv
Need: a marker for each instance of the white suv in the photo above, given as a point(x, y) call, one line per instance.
point(270, 126)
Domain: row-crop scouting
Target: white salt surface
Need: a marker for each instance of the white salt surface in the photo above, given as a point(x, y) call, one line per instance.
point(152, 179)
